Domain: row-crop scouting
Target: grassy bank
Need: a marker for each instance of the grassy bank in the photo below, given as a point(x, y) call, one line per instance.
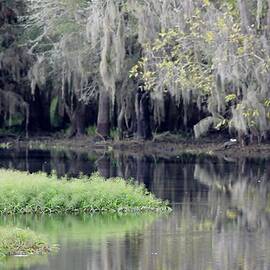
point(38, 193)
point(14, 241)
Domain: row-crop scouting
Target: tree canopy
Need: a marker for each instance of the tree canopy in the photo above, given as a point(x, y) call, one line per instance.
point(140, 66)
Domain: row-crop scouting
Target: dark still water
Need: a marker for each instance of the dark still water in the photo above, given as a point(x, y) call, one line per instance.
point(220, 218)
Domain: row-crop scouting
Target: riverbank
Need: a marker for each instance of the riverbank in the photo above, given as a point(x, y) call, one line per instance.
point(166, 145)
point(39, 193)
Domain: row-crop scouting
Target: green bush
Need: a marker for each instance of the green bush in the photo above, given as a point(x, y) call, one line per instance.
point(91, 131)
point(38, 193)
point(14, 241)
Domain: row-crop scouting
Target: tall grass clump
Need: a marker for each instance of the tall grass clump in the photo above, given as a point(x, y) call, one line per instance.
point(14, 241)
point(24, 193)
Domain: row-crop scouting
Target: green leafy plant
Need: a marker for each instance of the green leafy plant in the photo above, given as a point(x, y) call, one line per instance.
point(91, 131)
point(38, 193)
point(15, 241)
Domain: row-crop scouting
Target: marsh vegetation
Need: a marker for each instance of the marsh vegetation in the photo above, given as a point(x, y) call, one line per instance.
point(38, 193)
point(22, 242)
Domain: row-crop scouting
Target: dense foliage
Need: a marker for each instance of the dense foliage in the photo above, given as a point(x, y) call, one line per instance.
point(138, 66)
point(38, 193)
point(17, 242)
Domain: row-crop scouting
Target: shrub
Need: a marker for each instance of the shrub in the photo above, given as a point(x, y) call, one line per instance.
point(14, 241)
point(23, 193)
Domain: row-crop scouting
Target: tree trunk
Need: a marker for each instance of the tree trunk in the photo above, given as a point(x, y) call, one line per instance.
point(121, 123)
point(104, 165)
point(144, 171)
point(143, 115)
point(78, 121)
point(103, 122)
point(244, 15)
point(38, 107)
point(268, 21)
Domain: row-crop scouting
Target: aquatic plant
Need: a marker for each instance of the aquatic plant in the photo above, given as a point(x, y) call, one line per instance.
point(15, 241)
point(23, 193)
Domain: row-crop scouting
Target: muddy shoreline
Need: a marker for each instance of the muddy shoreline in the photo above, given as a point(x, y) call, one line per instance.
point(167, 147)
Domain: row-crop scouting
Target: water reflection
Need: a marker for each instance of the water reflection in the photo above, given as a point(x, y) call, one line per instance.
point(94, 227)
point(18, 263)
point(242, 196)
point(168, 178)
point(200, 234)
point(220, 221)
point(62, 162)
point(75, 235)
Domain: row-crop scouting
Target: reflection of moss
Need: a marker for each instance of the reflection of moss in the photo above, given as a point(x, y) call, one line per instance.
point(231, 214)
point(85, 227)
point(268, 204)
point(205, 225)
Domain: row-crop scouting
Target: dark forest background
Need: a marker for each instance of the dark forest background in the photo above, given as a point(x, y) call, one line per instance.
point(134, 68)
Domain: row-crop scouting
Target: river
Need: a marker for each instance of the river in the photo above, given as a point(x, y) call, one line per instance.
point(220, 218)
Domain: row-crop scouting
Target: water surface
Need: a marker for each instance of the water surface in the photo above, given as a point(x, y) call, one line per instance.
point(220, 218)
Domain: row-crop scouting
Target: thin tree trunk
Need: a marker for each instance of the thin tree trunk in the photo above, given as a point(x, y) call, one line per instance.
point(103, 122)
point(268, 20)
point(144, 171)
point(121, 123)
point(78, 121)
point(143, 115)
point(244, 15)
point(104, 165)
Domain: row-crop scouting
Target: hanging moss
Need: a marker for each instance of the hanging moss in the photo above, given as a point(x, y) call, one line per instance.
point(199, 53)
point(55, 118)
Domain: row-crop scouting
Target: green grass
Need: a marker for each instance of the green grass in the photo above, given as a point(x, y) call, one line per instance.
point(91, 131)
point(14, 241)
point(24, 193)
